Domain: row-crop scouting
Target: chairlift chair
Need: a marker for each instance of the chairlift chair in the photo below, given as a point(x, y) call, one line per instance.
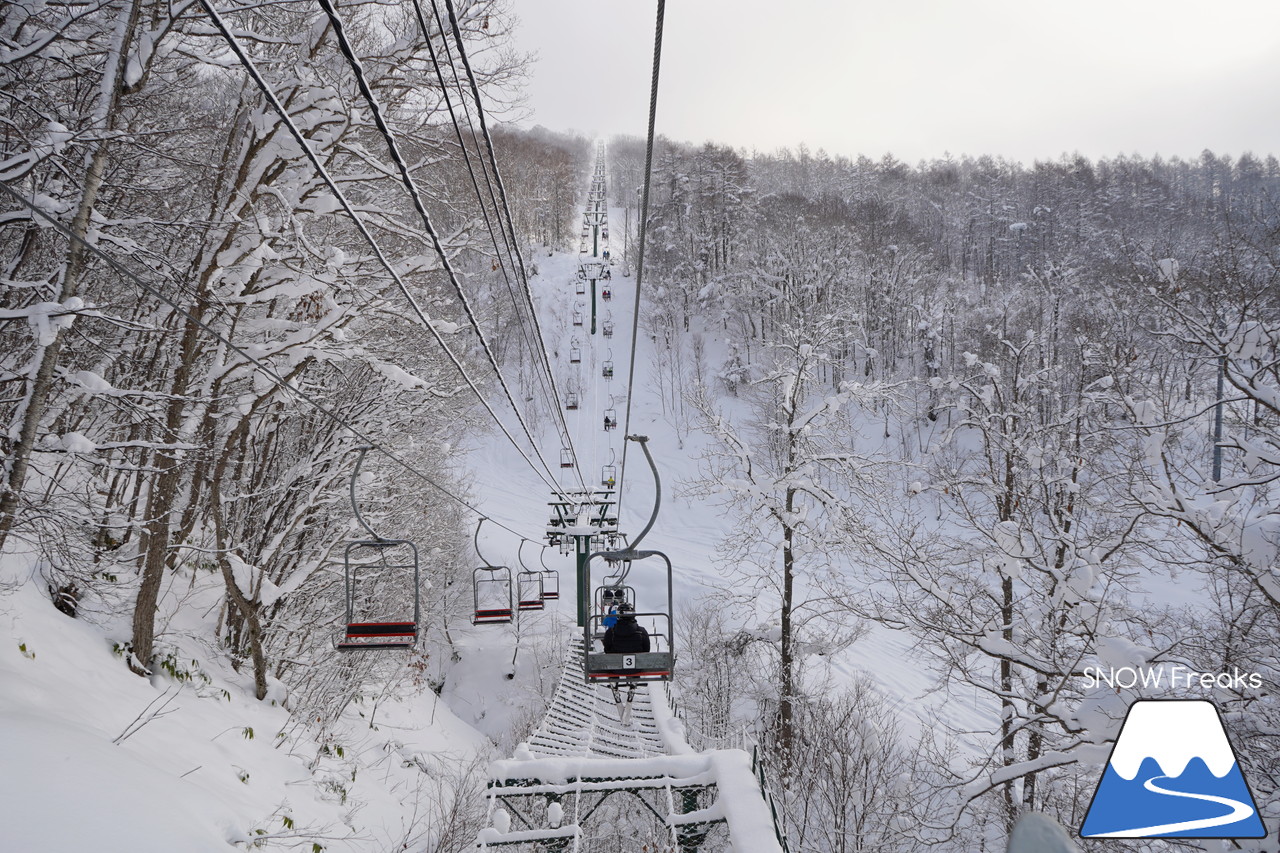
point(529, 591)
point(606, 370)
point(531, 594)
point(491, 594)
point(577, 317)
point(657, 664)
point(566, 458)
point(571, 400)
point(614, 668)
point(368, 565)
point(606, 328)
point(609, 476)
point(605, 293)
point(581, 289)
point(610, 419)
point(575, 355)
point(490, 590)
point(612, 592)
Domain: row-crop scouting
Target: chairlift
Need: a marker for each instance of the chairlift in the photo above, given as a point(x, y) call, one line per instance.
point(610, 594)
point(491, 589)
point(606, 369)
point(529, 590)
point(550, 577)
point(566, 458)
point(575, 355)
point(610, 419)
point(368, 565)
point(582, 287)
point(571, 400)
point(631, 667)
point(606, 328)
point(605, 293)
point(577, 317)
point(609, 475)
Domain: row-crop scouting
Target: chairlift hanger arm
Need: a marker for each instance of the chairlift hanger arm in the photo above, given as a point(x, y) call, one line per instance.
point(476, 540)
point(355, 505)
point(643, 441)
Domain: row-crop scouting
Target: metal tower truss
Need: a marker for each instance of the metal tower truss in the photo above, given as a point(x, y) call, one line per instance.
point(585, 781)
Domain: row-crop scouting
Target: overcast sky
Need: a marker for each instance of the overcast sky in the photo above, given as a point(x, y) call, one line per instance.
point(1025, 80)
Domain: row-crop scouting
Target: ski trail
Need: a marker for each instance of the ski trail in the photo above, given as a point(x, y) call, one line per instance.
point(1239, 811)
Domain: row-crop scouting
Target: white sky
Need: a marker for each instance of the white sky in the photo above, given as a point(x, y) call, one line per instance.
point(918, 78)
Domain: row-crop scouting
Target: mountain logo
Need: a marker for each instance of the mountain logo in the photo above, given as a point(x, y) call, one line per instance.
point(1172, 774)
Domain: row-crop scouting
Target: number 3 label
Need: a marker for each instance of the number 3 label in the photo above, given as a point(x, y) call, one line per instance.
point(628, 661)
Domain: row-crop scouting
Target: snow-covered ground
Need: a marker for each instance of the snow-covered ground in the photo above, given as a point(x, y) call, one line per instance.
point(96, 758)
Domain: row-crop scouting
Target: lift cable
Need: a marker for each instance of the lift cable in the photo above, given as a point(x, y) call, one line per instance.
point(262, 367)
point(539, 347)
point(506, 207)
point(393, 149)
point(304, 144)
point(644, 221)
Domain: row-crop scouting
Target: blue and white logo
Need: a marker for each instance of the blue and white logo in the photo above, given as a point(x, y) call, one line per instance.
point(1172, 774)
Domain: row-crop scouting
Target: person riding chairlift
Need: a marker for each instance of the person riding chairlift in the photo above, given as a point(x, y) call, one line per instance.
point(627, 636)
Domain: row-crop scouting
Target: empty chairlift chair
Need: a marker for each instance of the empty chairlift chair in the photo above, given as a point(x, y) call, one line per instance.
point(381, 580)
point(577, 317)
point(491, 590)
point(575, 355)
point(529, 585)
point(571, 400)
point(566, 458)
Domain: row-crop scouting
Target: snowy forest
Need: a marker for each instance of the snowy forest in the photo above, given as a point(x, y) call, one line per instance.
point(938, 441)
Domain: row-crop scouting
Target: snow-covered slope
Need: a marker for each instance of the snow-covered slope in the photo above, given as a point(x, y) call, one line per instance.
point(96, 758)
